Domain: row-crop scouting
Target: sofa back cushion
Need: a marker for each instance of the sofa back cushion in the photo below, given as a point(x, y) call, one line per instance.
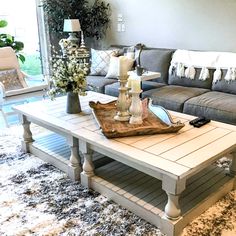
point(223, 85)
point(157, 60)
point(196, 82)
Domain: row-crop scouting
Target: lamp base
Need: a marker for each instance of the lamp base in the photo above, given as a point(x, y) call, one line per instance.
point(73, 38)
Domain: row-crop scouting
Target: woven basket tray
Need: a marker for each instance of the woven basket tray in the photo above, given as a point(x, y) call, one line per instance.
point(104, 114)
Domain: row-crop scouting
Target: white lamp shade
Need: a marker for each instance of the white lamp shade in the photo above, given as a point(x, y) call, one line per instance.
point(71, 25)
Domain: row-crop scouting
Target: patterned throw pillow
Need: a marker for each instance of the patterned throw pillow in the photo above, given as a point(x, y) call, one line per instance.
point(100, 61)
point(10, 80)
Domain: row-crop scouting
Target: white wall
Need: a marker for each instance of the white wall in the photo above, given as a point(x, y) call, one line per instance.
point(186, 24)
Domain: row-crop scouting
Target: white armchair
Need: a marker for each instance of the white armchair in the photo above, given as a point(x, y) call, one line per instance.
point(13, 86)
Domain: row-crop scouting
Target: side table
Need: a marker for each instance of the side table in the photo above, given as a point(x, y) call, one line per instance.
point(148, 75)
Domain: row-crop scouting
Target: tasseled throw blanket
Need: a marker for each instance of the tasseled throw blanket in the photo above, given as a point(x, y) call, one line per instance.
point(185, 62)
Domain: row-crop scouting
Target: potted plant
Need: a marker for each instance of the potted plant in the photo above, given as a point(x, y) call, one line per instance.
point(6, 40)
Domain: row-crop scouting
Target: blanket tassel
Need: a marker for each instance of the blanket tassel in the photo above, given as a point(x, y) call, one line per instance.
point(204, 74)
point(190, 72)
point(217, 75)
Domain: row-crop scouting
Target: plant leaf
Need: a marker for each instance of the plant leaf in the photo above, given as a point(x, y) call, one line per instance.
point(3, 23)
point(21, 58)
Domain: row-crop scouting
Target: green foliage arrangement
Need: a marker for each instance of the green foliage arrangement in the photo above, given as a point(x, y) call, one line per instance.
point(6, 40)
point(94, 19)
point(67, 75)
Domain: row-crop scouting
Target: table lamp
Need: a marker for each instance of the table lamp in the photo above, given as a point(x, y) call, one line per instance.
point(72, 26)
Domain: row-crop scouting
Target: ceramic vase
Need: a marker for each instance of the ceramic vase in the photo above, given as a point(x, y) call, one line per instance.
point(73, 103)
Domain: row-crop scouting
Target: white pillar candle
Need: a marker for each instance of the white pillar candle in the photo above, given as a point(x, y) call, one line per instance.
point(129, 84)
point(136, 85)
point(122, 71)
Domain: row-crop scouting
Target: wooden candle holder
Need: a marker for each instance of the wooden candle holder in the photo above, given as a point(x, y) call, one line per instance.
point(136, 108)
point(123, 102)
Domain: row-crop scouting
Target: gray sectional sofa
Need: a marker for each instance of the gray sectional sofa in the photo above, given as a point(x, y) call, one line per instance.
point(216, 101)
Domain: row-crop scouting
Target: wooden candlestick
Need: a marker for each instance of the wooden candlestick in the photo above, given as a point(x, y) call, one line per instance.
point(136, 108)
point(123, 103)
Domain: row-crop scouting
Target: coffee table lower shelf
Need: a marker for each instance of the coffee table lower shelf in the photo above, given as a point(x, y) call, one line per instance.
point(143, 195)
point(53, 148)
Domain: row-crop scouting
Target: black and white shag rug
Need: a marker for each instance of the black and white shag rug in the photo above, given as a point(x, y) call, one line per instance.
point(38, 199)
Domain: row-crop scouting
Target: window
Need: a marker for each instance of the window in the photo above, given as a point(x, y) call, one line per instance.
point(26, 23)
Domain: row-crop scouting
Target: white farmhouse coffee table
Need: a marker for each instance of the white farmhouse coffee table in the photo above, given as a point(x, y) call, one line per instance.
point(167, 179)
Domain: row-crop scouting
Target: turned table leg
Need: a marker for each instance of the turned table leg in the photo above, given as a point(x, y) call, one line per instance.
point(232, 168)
point(88, 167)
point(27, 134)
point(173, 189)
point(75, 163)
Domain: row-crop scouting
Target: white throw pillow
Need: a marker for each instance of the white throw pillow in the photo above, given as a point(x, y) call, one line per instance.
point(113, 70)
point(100, 60)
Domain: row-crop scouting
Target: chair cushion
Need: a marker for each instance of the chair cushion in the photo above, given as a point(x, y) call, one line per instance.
point(157, 60)
point(10, 80)
point(173, 97)
point(100, 60)
point(98, 83)
point(213, 105)
point(183, 81)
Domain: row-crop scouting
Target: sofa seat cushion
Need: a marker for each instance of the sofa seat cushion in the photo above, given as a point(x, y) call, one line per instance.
point(173, 97)
point(98, 83)
point(147, 85)
point(213, 105)
point(113, 89)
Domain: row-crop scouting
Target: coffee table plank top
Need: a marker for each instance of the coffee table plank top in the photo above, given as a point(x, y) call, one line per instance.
point(182, 149)
point(38, 113)
point(54, 112)
point(123, 152)
point(158, 138)
point(216, 149)
point(177, 140)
